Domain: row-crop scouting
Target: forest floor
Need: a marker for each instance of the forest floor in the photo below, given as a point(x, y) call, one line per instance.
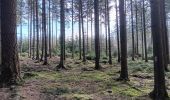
point(81, 82)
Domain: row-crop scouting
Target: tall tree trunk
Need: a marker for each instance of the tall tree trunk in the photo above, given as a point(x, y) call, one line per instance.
point(144, 32)
point(133, 43)
point(72, 29)
point(79, 32)
point(34, 30)
point(97, 43)
point(164, 35)
point(91, 30)
point(37, 28)
point(31, 24)
point(49, 28)
point(82, 22)
point(137, 42)
point(117, 29)
point(106, 28)
point(52, 30)
point(123, 37)
point(28, 34)
point(21, 2)
point(42, 47)
point(62, 30)
point(109, 36)
point(56, 30)
point(44, 31)
point(159, 92)
point(87, 28)
point(10, 69)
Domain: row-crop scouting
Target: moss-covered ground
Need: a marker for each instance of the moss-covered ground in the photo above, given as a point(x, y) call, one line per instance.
point(82, 82)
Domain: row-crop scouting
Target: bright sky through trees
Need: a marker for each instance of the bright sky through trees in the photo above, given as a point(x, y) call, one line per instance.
point(68, 26)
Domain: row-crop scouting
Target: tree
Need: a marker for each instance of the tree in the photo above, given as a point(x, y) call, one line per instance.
point(133, 45)
point(97, 43)
point(82, 22)
point(44, 31)
point(37, 29)
point(79, 15)
point(30, 37)
point(34, 30)
point(10, 69)
point(20, 45)
point(137, 36)
point(72, 16)
point(49, 18)
point(117, 29)
point(123, 37)
point(159, 92)
point(144, 32)
point(109, 36)
point(106, 27)
point(165, 36)
point(62, 34)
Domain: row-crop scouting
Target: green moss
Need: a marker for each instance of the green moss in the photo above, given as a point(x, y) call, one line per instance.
point(131, 92)
point(96, 76)
point(82, 97)
point(128, 91)
point(140, 66)
point(49, 75)
point(56, 91)
point(29, 75)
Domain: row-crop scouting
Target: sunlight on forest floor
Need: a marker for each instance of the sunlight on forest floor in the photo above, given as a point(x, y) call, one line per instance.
point(82, 82)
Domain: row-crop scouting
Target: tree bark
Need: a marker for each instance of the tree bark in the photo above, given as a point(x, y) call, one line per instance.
point(117, 29)
point(159, 92)
point(123, 37)
point(109, 36)
point(133, 43)
point(62, 30)
point(144, 32)
point(97, 43)
point(44, 31)
point(10, 69)
point(37, 28)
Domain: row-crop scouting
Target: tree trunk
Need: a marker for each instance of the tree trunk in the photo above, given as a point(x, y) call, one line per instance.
point(109, 36)
point(137, 42)
point(133, 45)
point(91, 30)
point(82, 22)
point(10, 69)
point(79, 32)
point(159, 92)
point(34, 30)
point(37, 28)
point(123, 37)
point(20, 27)
point(62, 30)
point(72, 29)
point(49, 28)
point(44, 31)
point(164, 35)
point(97, 43)
point(144, 33)
point(117, 29)
point(30, 37)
